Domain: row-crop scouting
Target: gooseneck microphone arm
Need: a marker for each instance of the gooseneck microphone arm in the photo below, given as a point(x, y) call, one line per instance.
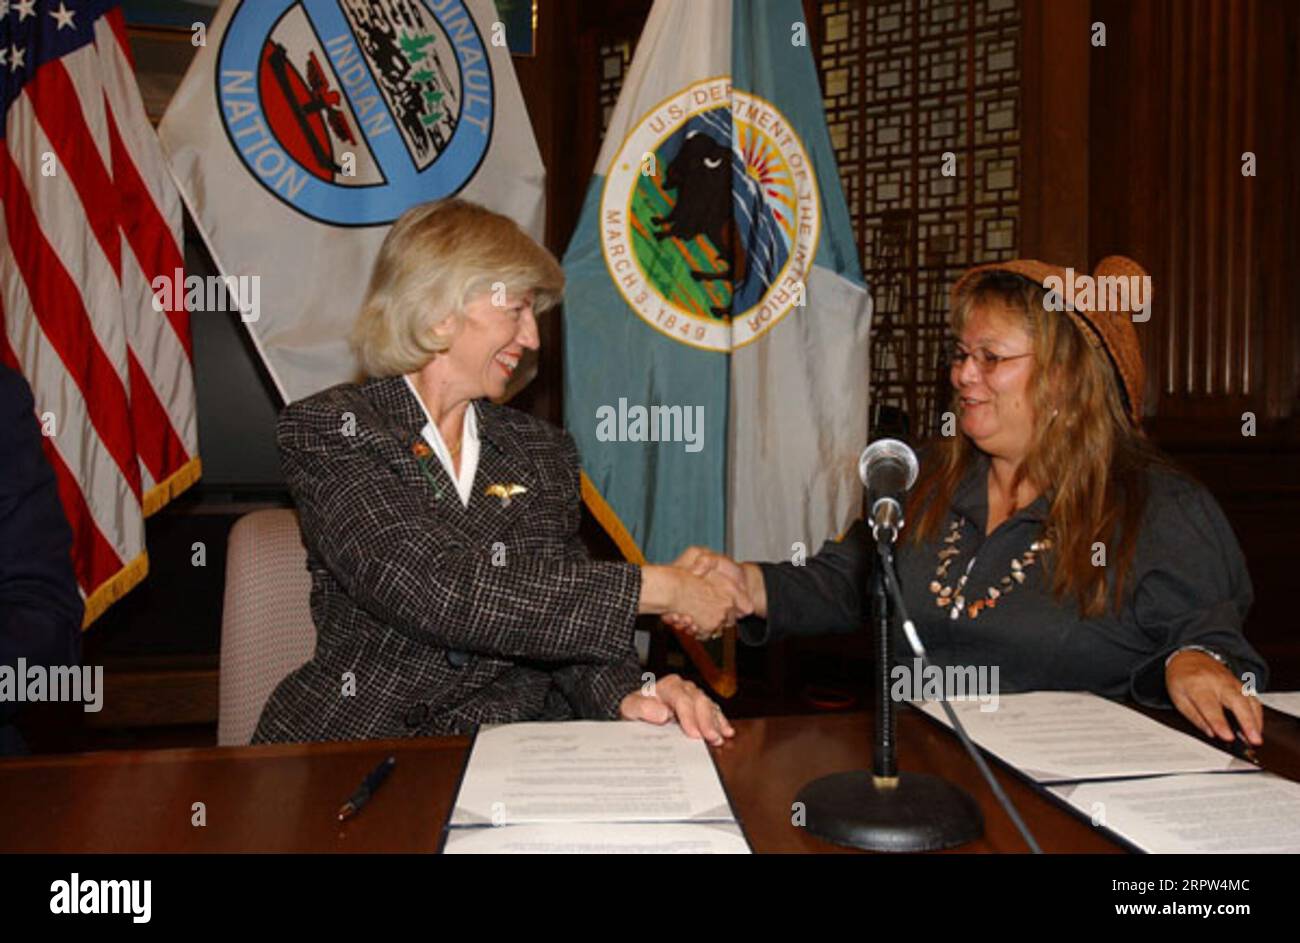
point(886, 559)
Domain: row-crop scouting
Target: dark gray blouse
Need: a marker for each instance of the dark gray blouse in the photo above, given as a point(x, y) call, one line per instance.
point(1189, 586)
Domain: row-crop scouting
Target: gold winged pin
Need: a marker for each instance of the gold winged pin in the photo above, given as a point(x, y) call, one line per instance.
point(504, 492)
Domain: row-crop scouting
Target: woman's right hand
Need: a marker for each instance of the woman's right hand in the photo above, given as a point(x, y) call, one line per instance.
point(711, 602)
point(708, 602)
point(701, 561)
point(1203, 689)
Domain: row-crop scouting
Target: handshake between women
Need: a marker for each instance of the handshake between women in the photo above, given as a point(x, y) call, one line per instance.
point(712, 592)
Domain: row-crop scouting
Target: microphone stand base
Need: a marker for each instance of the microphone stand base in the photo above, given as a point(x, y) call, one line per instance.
point(909, 812)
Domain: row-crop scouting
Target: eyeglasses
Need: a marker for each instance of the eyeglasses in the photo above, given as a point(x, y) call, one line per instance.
point(985, 359)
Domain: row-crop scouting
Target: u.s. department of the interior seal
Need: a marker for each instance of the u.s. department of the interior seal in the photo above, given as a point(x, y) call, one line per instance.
point(710, 217)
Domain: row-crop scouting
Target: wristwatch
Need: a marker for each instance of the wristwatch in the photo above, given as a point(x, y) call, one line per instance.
point(1198, 648)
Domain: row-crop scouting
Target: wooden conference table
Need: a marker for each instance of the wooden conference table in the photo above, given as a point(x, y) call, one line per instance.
point(284, 797)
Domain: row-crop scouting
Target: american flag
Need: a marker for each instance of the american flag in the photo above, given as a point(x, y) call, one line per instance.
point(90, 219)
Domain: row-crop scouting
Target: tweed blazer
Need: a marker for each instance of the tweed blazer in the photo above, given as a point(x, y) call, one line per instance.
point(432, 617)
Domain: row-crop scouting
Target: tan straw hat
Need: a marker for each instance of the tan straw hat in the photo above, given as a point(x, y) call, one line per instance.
point(1105, 320)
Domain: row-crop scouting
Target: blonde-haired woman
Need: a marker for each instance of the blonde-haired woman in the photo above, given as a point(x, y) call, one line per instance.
point(449, 586)
point(1049, 539)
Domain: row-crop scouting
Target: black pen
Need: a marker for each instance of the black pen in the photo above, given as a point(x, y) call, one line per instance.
point(366, 789)
point(1247, 750)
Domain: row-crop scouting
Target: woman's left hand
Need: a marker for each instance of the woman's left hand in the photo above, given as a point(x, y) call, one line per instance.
point(1201, 688)
point(673, 697)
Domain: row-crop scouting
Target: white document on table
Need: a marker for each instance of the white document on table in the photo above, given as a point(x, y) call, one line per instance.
point(1197, 814)
point(589, 771)
point(1288, 702)
point(1065, 736)
point(581, 838)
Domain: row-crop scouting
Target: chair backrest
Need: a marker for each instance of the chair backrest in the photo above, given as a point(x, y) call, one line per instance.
point(266, 624)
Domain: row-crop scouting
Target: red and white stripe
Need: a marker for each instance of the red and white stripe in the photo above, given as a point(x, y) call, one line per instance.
point(79, 251)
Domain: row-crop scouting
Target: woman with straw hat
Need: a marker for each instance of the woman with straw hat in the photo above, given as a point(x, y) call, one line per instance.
point(1049, 538)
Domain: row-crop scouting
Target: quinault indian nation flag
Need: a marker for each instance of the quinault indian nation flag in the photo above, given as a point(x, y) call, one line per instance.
point(714, 297)
point(304, 128)
point(89, 217)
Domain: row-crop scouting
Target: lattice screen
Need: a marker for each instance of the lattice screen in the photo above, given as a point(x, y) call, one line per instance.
point(615, 57)
point(905, 82)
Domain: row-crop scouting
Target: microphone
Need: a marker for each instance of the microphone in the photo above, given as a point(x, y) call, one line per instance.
point(888, 468)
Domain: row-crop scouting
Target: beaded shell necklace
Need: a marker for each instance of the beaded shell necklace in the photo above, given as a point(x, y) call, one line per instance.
point(953, 598)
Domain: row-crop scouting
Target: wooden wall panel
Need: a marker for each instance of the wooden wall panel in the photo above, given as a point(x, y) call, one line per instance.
point(1182, 89)
point(1055, 59)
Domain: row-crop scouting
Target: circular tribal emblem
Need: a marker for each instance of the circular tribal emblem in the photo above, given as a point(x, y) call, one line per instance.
point(350, 111)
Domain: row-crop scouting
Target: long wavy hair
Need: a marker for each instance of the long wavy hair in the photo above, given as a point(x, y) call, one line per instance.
point(1085, 455)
